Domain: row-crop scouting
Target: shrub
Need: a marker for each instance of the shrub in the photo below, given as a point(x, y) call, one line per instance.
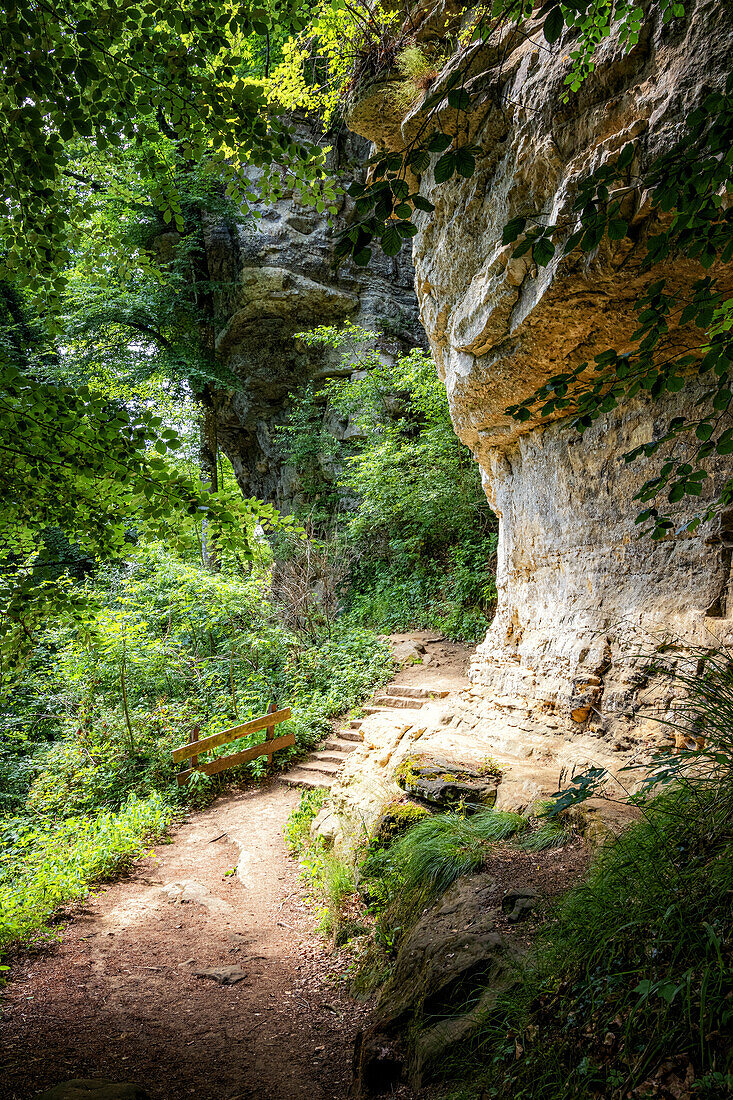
point(43, 867)
point(421, 549)
point(331, 878)
point(298, 825)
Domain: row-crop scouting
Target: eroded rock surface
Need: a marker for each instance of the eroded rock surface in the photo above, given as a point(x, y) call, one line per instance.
point(580, 596)
point(451, 950)
point(281, 281)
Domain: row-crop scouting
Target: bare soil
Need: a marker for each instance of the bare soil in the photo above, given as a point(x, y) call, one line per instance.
point(119, 996)
point(444, 663)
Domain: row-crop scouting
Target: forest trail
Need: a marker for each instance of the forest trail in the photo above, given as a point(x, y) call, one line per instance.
point(124, 995)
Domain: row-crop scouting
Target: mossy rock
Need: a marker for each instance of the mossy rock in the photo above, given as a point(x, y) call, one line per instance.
point(396, 819)
point(421, 1018)
point(447, 783)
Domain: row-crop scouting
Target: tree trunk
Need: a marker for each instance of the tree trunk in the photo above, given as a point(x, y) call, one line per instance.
point(208, 453)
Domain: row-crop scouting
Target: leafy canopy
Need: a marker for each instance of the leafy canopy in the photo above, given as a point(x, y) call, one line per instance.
point(78, 77)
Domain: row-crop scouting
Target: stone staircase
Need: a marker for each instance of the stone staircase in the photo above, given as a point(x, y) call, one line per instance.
point(320, 768)
point(404, 697)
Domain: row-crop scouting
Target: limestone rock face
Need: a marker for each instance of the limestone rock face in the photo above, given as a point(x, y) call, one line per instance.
point(280, 280)
point(581, 597)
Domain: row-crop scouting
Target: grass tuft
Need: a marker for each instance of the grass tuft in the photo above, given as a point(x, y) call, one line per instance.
point(438, 850)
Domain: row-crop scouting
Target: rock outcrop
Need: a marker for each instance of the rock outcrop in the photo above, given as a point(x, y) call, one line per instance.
point(281, 280)
point(581, 597)
point(454, 946)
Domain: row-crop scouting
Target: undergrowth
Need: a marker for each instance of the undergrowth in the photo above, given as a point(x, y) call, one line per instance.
point(379, 890)
point(48, 865)
point(416, 551)
point(438, 850)
point(331, 879)
point(630, 990)
point(86, 737)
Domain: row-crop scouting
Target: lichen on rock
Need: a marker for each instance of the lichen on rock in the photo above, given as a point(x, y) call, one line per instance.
point(449, 784)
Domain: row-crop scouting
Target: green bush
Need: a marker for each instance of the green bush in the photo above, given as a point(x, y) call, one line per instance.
point(331, 878)
point(298, 825)
point(404, 491)
point(45, 866)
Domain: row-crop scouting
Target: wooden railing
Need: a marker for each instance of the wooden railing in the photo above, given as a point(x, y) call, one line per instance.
point(195, 748)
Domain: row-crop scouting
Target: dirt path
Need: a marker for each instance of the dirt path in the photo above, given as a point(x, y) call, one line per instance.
point(124, 994)
point(120, 998)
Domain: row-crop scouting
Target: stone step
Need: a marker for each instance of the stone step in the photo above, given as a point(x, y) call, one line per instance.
point(298, 778)
point(351, 735)
point(338, 744)
point(328, 756)
point(376, 710)
point(416, 692)
point(398, 702)
point(325, 767)
point(355, 723)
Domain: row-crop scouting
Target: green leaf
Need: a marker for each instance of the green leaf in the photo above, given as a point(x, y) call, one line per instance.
point(459, 99)
point(419, 160)
point(465, 163)
point(513, 229)
point(438, 142)
point(553, 25)
point(445, 167)
point(617, 229)
point(391, 240)
point(543, 251)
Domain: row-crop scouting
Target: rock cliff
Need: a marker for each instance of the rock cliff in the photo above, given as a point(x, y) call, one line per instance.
point(581, 597)
point(280, 280)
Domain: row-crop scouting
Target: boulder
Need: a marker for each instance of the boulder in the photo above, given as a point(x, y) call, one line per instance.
point(94, 1089)
point(447, 783)
point(396, 819)
point(452, 951)
point(327, 825)
point(409, 653)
